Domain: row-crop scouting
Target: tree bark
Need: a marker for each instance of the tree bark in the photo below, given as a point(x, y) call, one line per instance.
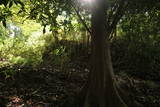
point(54, 33)
point(101, 91)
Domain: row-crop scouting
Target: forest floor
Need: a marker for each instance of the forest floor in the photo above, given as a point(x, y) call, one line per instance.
point(48, 87)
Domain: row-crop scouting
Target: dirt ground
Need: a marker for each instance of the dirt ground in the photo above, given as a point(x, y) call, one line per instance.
point(48, 87)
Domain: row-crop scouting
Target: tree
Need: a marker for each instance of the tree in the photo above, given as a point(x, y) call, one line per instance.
point(102, 90)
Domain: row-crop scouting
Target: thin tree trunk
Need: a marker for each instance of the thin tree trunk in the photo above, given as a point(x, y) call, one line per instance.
point(101, 91)
point(88, 40)
point(55, 36)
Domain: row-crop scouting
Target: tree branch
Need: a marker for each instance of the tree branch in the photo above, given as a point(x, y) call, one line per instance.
point(82, 21)
point(118, 15)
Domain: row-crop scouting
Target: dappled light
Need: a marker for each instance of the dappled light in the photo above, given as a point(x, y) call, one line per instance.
point(79, 53)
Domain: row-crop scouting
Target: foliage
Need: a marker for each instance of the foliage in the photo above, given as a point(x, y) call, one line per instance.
point(138, 46)
point(135, 50)
point(2, 32)
point(26, 27)
point(5, 10)
point(14, 51)
point(25, 49)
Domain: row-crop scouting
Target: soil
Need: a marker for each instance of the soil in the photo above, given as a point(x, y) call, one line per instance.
point(49, 87)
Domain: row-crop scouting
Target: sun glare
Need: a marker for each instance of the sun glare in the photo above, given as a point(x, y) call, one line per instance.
point(88, 1)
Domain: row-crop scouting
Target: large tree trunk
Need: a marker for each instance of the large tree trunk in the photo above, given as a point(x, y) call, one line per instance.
point(101, 91)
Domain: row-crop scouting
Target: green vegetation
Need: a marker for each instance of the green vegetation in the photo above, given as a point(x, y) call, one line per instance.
point(83, 53)
point(21, 49)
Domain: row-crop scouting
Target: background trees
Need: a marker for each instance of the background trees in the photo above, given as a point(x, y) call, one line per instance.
point(132, 25)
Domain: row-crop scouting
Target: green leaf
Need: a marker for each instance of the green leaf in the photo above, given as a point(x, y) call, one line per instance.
point(5, 2)
point(19, 2)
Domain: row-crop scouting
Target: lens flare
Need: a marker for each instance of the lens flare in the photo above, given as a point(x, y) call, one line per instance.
point(88, 1)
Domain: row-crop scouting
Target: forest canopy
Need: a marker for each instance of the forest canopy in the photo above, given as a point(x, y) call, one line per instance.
point(80, 53)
